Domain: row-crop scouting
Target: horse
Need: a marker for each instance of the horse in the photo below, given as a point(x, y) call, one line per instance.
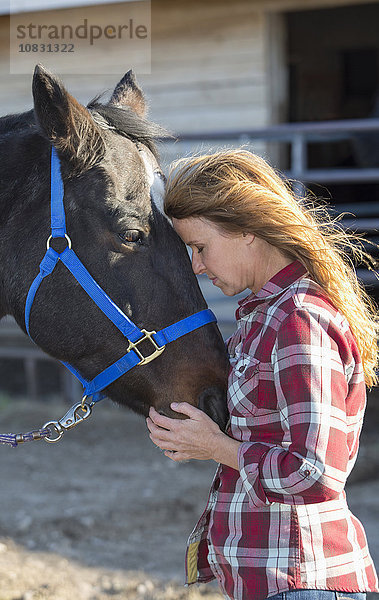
point(113, 198)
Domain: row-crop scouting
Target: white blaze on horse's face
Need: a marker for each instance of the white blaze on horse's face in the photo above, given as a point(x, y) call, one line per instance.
point(155, 178)
point(157, 190)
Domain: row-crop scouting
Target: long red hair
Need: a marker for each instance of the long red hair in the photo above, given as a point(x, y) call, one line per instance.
point(240, 192)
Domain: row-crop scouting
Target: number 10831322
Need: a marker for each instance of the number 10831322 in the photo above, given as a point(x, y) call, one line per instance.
point(46, 48)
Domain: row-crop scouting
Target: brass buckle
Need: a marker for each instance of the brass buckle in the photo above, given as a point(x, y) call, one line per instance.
point(147, 335)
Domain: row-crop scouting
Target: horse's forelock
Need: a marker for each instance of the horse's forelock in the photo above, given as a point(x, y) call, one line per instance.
point(125, 121)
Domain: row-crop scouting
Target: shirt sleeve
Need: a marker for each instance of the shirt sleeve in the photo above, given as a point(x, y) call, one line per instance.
point(311, 464)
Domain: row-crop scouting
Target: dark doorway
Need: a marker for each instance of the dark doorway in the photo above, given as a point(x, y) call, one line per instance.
point(333, 66)
point(333, 74)
point(333, 60)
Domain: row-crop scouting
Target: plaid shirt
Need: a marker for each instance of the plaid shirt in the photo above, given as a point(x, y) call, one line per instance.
point(296, 399)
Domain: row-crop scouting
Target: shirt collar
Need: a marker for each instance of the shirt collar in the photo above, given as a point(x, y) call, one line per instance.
point(277, 284)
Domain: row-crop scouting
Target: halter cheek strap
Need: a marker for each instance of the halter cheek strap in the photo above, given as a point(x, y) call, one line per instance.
point(135, 336)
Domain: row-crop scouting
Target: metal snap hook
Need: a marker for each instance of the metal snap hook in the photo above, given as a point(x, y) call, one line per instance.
point(75, 415)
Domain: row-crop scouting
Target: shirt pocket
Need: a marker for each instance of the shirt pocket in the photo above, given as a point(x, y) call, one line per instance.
point(243, 386)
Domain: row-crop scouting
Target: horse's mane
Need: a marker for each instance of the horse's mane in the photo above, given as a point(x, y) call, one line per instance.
point(15, 122)
point(123, 121)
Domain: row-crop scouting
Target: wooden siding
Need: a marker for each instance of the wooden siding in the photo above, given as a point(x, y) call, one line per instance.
point(208, 66)
point(214, 64)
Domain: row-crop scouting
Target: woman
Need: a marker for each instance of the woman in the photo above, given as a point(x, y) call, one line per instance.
point(277, 524)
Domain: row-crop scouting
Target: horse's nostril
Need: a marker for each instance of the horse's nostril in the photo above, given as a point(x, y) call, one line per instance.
point(213, 402)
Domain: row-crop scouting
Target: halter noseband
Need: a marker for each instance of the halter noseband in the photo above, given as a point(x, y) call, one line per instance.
point(133, 357)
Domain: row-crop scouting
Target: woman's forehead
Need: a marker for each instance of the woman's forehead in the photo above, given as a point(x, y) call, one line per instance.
point(194, 229)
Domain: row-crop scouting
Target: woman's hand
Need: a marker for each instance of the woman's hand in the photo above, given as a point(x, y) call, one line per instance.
point(197, 437)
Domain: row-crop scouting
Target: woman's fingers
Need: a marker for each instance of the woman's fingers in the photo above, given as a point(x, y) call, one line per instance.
point(161, 420)
point(157, 434)
point(182, 439)
point(180, 407)
point(175, 456)
point(166, 446)
point(187, 409)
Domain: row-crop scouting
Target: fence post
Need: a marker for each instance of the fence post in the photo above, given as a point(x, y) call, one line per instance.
point(72, 389)
point(298, 163)
point(31, 377)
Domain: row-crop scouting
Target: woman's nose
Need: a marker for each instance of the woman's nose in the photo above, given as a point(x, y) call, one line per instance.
point(197, 263)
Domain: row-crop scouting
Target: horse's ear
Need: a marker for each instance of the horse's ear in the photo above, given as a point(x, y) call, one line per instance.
point(128, 93)
point(65, 122)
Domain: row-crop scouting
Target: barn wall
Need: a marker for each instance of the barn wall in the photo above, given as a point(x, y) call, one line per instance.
point(214, 65)
point(16, 89)
point(208, 66)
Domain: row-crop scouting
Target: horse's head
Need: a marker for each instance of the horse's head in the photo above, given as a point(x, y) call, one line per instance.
point(113, 190)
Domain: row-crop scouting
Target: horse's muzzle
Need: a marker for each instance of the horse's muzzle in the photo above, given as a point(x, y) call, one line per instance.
point(213, 402)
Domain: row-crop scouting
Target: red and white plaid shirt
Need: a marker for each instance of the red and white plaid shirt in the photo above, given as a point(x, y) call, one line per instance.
point(296, 399)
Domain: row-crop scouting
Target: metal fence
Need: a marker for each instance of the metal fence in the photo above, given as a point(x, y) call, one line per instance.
point(298, 136)
point(363, 135)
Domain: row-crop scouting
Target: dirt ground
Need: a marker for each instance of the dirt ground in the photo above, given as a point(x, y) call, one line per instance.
point(103, 514)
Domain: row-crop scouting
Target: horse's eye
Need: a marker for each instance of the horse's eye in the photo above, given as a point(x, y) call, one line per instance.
point(132, 236)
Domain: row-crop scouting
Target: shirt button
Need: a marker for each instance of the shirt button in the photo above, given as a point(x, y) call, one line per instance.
point(307, 473)
point(241, 369)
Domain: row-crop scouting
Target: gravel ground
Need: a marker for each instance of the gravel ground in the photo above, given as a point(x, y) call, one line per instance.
point(104, 514)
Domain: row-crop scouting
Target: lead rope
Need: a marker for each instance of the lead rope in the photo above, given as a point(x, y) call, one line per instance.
point(14, 439)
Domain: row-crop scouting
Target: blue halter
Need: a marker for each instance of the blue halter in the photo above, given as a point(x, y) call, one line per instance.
point(135, 336)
